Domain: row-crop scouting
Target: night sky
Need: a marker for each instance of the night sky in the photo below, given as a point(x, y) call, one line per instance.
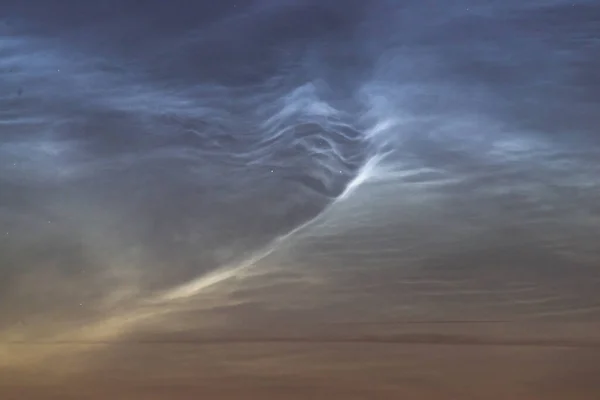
point(300, 199)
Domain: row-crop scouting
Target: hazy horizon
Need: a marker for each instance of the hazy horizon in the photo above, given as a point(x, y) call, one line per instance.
point(300, 199)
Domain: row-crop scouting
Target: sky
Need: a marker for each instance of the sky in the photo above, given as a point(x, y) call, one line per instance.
point(249, 177)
